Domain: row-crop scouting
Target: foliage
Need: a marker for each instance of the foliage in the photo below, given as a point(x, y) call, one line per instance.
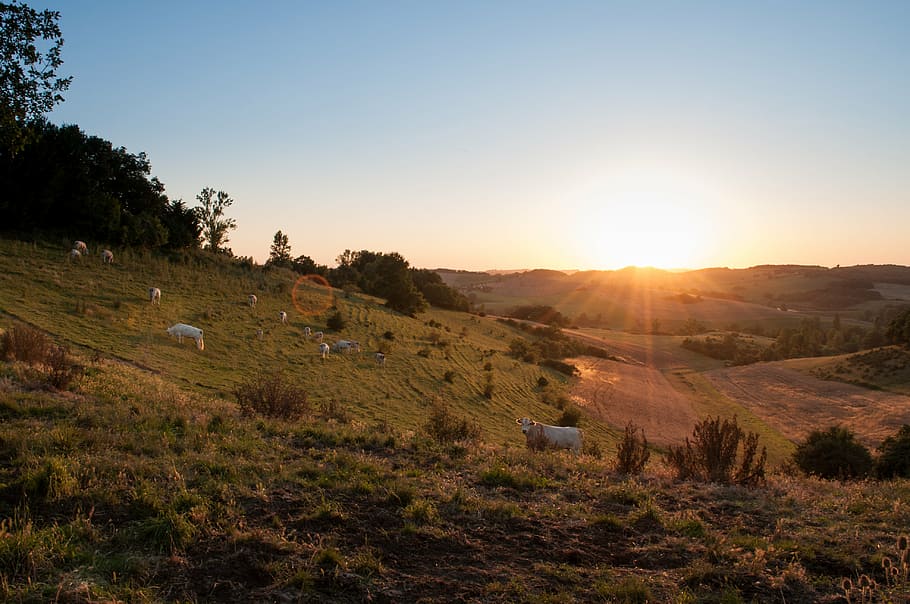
point(711, 455)
point(210, 214)
point(445, 428)
point(336, 321)
point(29, 85)
point(384, 275)
point(30, 346)
point(273, 395)
point(64, 181)
point(632, 452)
point(571, 415)
point(280, 251)
point(898, 331)
point(539, 313)
point(731, 348)
point(833, 453)
point(894, 455)
point(436, 292)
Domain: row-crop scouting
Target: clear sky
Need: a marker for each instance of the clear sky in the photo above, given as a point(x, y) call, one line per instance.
point(516, 134)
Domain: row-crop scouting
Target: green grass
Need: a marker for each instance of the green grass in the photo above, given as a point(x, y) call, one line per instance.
point(145, 483)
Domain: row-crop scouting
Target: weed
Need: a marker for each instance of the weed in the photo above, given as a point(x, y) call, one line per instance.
point(632, 453)
point(571, 416)
point(712, 453)
point(449, 376)
point(443, 427)
point(272, 395)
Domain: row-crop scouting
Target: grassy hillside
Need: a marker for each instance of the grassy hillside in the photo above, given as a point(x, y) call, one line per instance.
point(144, 482)
point(104, 309)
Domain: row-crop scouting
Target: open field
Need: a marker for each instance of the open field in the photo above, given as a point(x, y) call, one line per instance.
point(145, 483)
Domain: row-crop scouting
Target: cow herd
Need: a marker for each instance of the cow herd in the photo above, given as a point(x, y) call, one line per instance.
point(538, 435)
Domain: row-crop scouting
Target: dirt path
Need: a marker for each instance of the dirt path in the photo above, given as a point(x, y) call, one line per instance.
point(617, 393)
point(795, 404)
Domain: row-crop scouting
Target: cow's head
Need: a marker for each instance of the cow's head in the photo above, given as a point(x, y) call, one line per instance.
point(525, 424)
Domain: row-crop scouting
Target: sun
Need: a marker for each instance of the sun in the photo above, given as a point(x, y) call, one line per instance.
point(641, 227)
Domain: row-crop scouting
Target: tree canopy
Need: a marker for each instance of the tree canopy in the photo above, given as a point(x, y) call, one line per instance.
point(30, 45)
point(214, 224)
point(64, 181)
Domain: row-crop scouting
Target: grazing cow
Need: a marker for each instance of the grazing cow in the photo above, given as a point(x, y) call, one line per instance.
point(346, 346)
point(155, 295)
point(283, 316)
point(80, 245)
point(380, 359)
point(107, 257)
point(559, 437)
point(317, 336)
point(252, 300)
point(306, 331)
point(75, 255)
point(182, 329)
point(324, 350)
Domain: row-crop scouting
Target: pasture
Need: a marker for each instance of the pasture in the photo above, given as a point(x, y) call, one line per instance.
point(144, 482)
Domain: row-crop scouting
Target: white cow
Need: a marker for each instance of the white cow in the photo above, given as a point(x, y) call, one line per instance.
point(252, 300)
point(346, 346)
point(324, 350)
point(560, 437)
point(80, 245)
point(75, 255)
point(380, 359)
point(155, 295)
point(107, 257)
point(283, 316)
point(317, 336)
point(306, 331)
point(182, 329)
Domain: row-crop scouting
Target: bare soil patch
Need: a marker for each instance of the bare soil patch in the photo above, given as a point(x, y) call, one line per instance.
point(795, 404)
point(617, 393)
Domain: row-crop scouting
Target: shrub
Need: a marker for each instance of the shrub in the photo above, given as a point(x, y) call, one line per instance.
point(894, 455)
point(489, 387)
point(388, 335)
point(336, 321)
point(443, 427)
point(542, 382)
point(26, 344)
point(571, 415)
point(833, 453)
point(632, 453)
point(272, 395)
point(711, 454)
point(449, 376)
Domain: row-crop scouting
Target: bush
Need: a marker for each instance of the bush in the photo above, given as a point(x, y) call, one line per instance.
point(711, 455)
point(444, 427)
point(336, 321)
point(632, 453)
point(449, 376)
point(894, 455)
point(271, 395)
point(570, 416)
point(833, 453)
point(542, 382)
point(28, 345)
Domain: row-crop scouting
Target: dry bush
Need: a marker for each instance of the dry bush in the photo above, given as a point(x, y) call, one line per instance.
point(632, 453)
point(272, 395)
point(26, 344)
point(443, 427)
point(711, 454)
point(535, 440)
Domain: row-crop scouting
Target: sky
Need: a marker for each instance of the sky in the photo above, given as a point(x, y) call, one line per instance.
point(516, 134)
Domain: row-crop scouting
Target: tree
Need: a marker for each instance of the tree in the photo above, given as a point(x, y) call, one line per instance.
point(29, 86)
point(898, 331)
point(833, 453)
point(211, 217)
point(894, 455)
point(280, 252)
